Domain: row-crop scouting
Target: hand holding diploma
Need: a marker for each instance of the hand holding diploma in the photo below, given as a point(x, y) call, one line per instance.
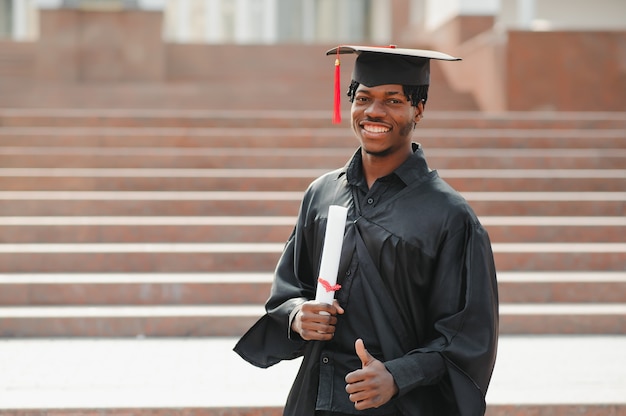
point(316, 320)
point(372, 385)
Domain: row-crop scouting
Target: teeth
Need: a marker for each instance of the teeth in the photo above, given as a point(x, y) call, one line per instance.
point(375, 129)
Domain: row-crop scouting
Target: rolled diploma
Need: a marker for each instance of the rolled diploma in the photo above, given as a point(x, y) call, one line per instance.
point(331, 252)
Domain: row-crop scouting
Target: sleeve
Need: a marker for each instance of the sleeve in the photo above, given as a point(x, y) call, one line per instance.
point(271, 340)
point(463, 312)
point(415, 370)
point(467, 313)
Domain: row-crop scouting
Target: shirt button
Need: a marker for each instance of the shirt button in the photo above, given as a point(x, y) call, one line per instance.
point(370, 201)
point(325, 360)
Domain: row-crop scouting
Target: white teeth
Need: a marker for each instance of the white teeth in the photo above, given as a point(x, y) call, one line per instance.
point(375, 129)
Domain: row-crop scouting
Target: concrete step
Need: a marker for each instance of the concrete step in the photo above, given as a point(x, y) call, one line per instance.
point(193, 85)
point(201, 90)
point(563, 318)
point(296, 158)
point(181, 376)
point(305, 137)
point(562, 287)
point(492, 410)
point(234, 320)
point(234, 288)
point(108, 117)
point(231, 229)
point(253, 257)
point(210, 203)
point(145, 229)
point(464, 180)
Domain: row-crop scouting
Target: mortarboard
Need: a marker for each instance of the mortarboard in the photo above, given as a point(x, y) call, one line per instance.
point(386, 65)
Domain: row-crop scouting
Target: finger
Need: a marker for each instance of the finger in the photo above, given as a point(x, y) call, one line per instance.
point(358, 397)
point(321, 318)
point(321, 312)
point(326, 309)
point(340, 310)
point(365, 356)
point(318, 331)
point(354, 382)
point(321, 327)
point(315, 306)
point(364, 404)
point(316, 336)
point(362, 400)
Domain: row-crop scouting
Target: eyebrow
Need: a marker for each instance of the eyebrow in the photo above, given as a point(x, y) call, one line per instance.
point(388, 93)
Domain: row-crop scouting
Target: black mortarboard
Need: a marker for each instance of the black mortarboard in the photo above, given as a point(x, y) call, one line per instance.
point(387, 65)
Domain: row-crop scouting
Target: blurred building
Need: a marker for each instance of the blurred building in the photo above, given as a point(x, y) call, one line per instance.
point(517, 54)
point(325, 21)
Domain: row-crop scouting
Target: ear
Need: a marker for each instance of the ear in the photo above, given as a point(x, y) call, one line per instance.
point(419, 112)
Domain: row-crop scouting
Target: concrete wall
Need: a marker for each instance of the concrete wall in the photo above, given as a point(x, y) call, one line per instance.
point(562, 14)
point(527, 70)
point(93, 46)
point(567, 71)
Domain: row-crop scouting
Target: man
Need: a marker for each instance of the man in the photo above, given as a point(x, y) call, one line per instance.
point(413, 329)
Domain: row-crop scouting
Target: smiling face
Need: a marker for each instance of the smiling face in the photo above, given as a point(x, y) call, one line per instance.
point(383, 120)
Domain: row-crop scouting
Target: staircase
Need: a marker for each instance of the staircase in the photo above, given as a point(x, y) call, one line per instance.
point(166, 224)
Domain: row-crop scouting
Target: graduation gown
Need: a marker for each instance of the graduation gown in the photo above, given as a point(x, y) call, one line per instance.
point(428, 276)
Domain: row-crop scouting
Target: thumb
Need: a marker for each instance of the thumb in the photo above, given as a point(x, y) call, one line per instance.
point(365, 356)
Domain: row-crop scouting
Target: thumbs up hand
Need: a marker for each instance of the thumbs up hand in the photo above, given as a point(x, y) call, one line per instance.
point(372, 385)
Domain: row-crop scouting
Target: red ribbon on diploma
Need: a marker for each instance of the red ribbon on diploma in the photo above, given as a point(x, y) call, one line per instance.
point(328, 286)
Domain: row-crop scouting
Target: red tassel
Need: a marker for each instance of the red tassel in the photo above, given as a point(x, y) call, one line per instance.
point(337, 104)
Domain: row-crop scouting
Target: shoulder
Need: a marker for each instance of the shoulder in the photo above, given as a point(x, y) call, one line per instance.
point(328, 179)
point(330, 188)
point(430, 213)
point(455, 218)
point(438, 200)
point(325, 184)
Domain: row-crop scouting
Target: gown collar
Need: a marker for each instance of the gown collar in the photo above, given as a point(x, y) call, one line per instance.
point(411, 170)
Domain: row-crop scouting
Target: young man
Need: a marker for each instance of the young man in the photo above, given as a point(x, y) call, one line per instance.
point(413, 329)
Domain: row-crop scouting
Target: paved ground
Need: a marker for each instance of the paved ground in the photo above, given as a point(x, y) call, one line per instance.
point(91, 373)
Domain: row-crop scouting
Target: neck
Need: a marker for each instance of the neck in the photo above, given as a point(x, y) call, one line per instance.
point(378, 166)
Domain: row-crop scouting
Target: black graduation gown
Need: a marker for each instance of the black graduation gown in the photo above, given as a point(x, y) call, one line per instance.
point(434, 292)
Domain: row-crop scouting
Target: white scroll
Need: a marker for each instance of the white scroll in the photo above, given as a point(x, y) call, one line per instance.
point(331, 253)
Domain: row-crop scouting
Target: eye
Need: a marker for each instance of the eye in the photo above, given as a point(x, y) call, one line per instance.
point(361, 99)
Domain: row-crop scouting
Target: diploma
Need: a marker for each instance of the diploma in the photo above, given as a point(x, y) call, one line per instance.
point(331, 253)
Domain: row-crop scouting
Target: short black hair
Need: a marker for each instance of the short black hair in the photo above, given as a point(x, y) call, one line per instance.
point(414, 93)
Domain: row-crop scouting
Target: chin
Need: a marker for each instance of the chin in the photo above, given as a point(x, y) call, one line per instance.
point(377, 152)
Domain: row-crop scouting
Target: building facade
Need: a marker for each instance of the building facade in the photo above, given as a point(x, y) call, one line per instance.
point(326, 21)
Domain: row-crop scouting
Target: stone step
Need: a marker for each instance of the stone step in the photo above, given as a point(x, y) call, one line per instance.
point(562, 287)
point(274, 229)
point(232, 288)
point(234, 320)
point(303, 137)
point(63, 203)
point(253, 257)
point(492, 410)
point(295, 158)
point(181, 376)
point(145, 229)
point(477, 180)
point(182, 89)
point(286, 118)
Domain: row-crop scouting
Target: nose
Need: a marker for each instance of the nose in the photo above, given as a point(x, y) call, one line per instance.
point(375, 109)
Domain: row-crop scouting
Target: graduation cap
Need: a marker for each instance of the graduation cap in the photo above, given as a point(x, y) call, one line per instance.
point(377, 65)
